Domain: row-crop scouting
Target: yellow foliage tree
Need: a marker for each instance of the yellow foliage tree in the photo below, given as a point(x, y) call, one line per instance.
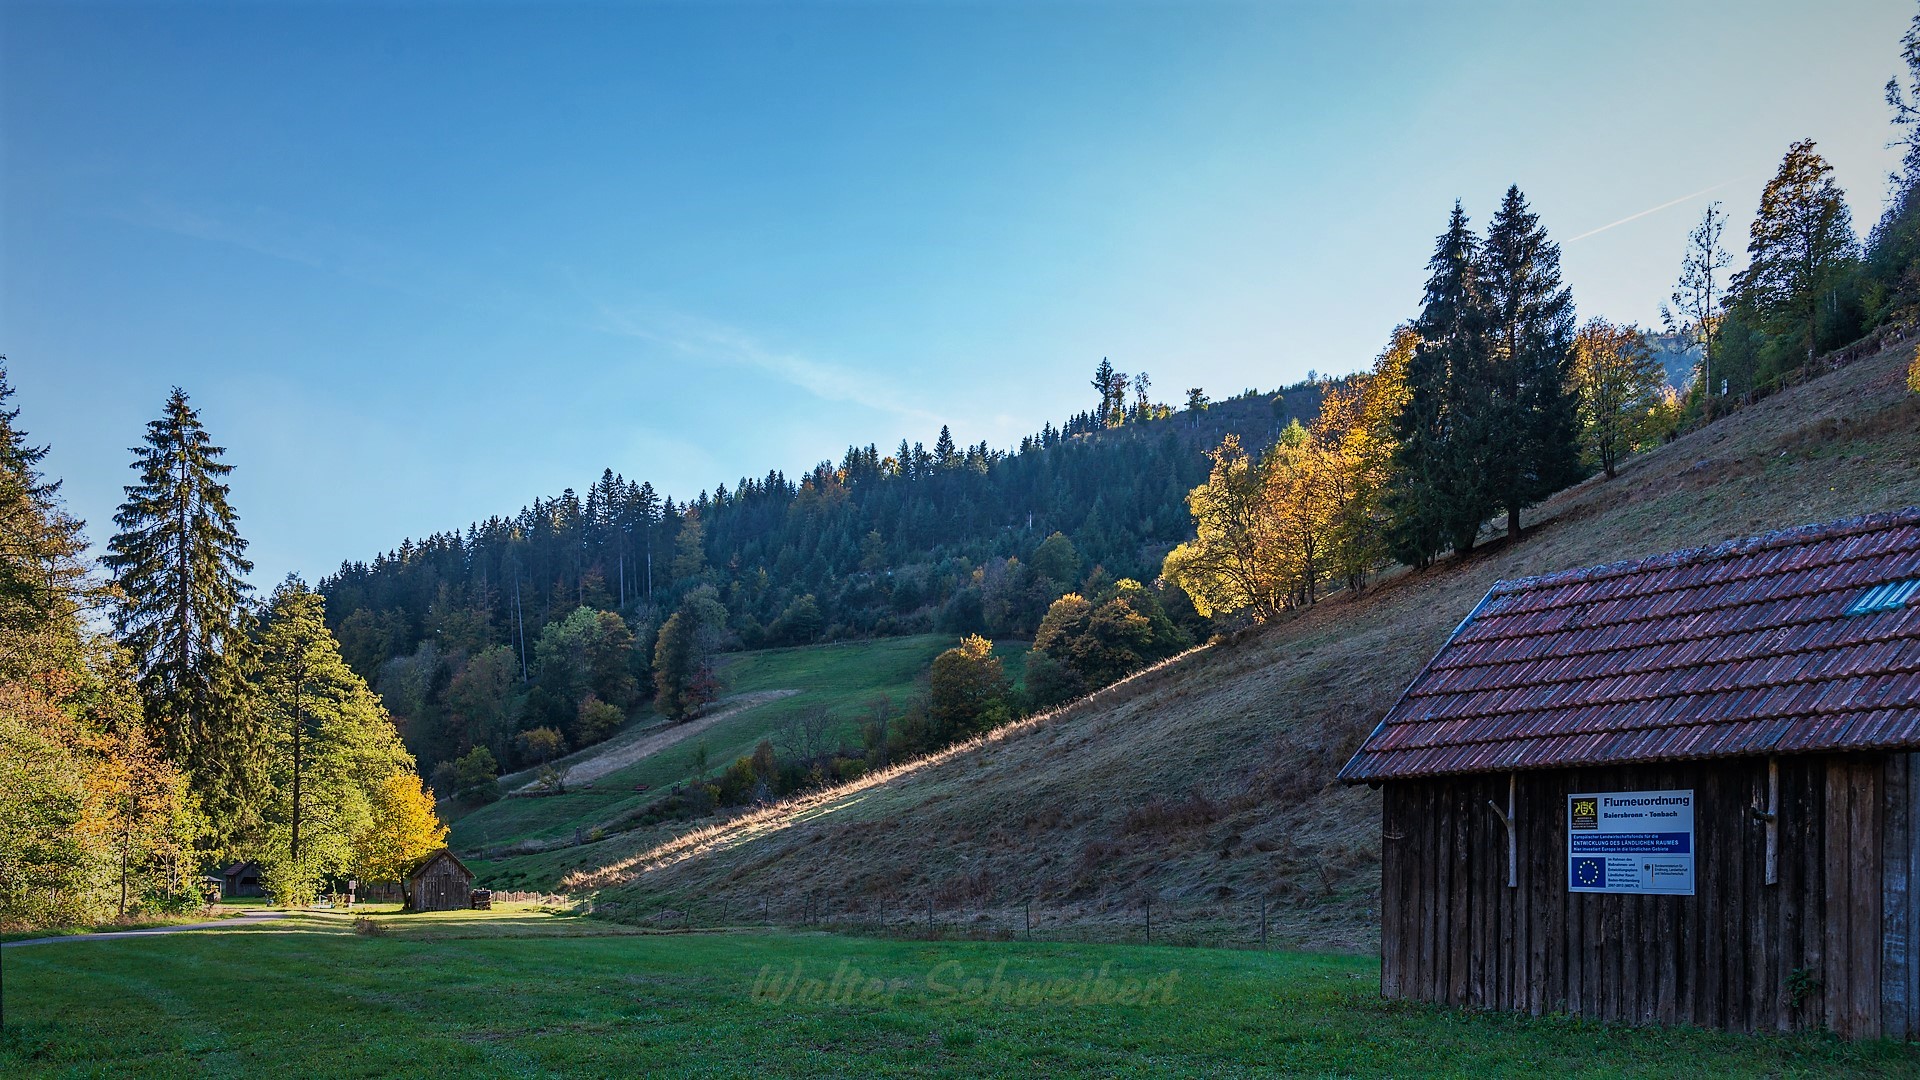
point(1620, 386)
point(1913, 372)
point(1269, 533)
point(1235, 561)
point(403, 828)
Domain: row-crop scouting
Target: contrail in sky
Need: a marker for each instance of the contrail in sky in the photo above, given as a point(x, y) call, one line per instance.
point(1653, 210)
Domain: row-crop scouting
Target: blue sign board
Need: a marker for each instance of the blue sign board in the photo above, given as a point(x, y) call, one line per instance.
point(1630, 842)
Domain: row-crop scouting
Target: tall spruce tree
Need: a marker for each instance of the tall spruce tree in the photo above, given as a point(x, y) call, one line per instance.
point(1533, 437)
point(1435, 495)
point(42, 578)
point(179, 562)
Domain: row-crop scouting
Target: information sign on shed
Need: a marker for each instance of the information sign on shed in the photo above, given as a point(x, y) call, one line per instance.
point(1630, 842)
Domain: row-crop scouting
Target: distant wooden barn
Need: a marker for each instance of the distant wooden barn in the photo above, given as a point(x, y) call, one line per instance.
point(1680, 789)
point(241, 879)
point(439, 882)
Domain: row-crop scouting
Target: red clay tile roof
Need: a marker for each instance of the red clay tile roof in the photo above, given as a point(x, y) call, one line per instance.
point(1744, 648)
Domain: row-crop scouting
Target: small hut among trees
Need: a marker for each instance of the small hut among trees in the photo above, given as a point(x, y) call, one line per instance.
point(241, 879)
point(438, 882)
point(1681, 789)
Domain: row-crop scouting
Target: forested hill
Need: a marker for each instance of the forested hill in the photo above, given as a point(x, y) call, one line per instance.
point(915, 540)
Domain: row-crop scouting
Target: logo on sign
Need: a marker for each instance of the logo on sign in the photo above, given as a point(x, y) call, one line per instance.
point(1590, 873)
point(1586, 813)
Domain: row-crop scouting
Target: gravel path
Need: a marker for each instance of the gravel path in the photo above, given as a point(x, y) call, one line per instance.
point(619, 756)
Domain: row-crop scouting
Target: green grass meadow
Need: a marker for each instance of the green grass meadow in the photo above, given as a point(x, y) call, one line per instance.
point(841, 678)
point(526, 993)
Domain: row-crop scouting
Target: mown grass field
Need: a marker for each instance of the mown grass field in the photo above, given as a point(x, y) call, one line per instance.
point(841, 679)
point(521, 992)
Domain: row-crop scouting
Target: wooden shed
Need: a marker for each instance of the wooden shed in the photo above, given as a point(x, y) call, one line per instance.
point(438, 882)
point(1680, 789)
point(241, 879)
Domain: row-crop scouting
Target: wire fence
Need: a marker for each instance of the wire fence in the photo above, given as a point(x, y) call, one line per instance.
point(1249, 924)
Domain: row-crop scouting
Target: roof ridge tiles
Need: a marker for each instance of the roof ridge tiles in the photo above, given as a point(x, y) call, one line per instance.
point(1675, 617)
point(1779, 538)
point(1532, 584)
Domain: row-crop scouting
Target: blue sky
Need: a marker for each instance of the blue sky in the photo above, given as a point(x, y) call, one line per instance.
point(420, 263)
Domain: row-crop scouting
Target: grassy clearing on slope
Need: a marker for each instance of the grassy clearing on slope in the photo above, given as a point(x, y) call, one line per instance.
point(1213, 778)
point(529, 993)
point(842, 679)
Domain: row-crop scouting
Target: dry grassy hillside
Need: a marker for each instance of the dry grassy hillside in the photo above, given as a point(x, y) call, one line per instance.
point(1211, 778)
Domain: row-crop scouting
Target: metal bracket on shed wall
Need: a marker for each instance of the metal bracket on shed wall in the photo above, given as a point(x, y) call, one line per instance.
point(1771, 816)
point(1513, 848)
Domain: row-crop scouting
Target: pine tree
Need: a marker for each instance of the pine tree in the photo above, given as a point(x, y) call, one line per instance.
point(41, 576)
point(943, 453)
point(1533, 438)
point(1436, 494)
point(179, 561)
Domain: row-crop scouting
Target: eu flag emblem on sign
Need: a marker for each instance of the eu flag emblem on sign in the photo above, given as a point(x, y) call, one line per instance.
point(1590, 873)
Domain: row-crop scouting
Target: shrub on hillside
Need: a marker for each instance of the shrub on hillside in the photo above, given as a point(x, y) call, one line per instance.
point(594, 720)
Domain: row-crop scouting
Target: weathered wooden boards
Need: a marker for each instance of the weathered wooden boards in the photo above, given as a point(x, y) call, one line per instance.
point(1834, 943)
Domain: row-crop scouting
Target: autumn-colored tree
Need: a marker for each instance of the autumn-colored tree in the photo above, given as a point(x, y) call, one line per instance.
point(1306, 484)
point(1083, 644)
point(93, 819)
point(1356, 420)
point(401, 828)
point(1619, 384)
point(1235, 561)
point(541, 744)
point(968, 688)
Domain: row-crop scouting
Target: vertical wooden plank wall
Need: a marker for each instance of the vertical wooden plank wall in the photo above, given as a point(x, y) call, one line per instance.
point(1900, 941)
point(1739, 954)
point(1854, 890)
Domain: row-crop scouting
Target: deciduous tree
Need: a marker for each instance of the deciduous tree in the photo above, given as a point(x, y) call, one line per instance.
point(1620, 386)
point(1798, 247)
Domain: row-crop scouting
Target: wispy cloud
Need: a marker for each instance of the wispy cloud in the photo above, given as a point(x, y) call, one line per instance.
point(1654, 209)
point(331, 250)
point(715, 342)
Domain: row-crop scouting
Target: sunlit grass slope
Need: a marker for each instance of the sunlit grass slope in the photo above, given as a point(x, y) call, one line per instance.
point(1211, 780)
